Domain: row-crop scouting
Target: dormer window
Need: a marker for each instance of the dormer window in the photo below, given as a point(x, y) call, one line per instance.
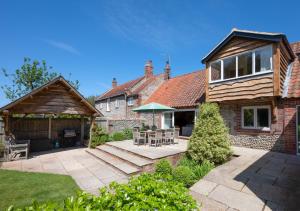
point(253, 62)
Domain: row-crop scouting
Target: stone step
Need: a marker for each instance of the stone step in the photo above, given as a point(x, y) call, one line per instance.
point(115, 162)
point(126, 156)
point(112, 144)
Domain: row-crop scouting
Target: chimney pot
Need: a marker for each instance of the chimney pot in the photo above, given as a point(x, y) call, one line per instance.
point(114, 83)
point(167, 73)
point(148, 69)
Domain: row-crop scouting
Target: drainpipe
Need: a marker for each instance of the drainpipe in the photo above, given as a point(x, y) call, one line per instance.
point(125, 105)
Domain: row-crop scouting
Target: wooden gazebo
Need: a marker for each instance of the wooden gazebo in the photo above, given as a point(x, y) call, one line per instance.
point(54, 99)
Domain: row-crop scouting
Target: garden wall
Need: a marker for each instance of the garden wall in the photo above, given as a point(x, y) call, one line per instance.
point(118, 125)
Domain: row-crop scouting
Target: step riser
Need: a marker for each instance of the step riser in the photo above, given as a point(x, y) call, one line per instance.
point(146, 166)
point(113, 166)
point(132, 153)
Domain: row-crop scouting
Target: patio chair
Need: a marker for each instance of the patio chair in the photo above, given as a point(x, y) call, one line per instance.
point(169, 137)
point(16, 149)
point(176, 135)
point(139, 138)
point(156, 138)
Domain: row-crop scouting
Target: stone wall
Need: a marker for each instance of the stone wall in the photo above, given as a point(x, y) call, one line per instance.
point(119, 125)
point(254, 138)
point(266, 142)
point(115, 112)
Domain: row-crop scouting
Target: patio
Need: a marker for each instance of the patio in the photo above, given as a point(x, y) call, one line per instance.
point(89, 172)
point(256, 180)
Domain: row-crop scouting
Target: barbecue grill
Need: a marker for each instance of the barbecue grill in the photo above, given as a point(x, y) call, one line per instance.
point(69, 138)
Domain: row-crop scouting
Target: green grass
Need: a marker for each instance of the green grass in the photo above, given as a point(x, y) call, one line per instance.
point(21, 188)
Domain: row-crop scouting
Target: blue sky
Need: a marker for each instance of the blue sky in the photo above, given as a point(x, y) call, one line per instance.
point(95, 41)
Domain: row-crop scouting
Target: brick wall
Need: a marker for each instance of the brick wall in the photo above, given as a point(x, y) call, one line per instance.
point(281, 137)
point(290, 115)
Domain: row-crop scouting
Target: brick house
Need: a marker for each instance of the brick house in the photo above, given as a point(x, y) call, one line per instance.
point(255, 79)
point(184, 93)
point(117, 103)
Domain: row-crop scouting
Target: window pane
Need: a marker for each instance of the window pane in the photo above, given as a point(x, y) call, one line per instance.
point(216, 71)
point(263, 117)
point(249, 117)
point(168, 120)
point(245, 64)
point(229, 68)
point(263, 60)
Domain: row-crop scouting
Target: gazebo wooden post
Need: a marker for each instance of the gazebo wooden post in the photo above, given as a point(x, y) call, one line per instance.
point(49, 127)
point(92, 122)
point(6, 122)
point(82, 129)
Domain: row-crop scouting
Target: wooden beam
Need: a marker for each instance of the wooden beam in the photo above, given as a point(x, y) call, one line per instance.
point(49, 127)
point(92, 122)
point(207, 83)
point(276, 69)
point(82, 129)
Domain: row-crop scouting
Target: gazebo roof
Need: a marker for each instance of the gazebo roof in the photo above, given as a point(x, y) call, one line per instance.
point(54, 97)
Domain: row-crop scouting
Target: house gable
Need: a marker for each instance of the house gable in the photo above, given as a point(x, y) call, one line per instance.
point(254, 84)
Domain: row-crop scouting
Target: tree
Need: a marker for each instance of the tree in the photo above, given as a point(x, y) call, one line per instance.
point(210, 137)
point(30, 76)
point(91, 100)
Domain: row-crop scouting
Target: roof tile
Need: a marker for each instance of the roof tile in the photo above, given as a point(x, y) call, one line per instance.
point(181, 92)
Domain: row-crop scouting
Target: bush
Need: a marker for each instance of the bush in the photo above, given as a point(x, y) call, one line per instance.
point(201, 170)
point(99, 136)
point(163, 167)
point(128, 133)
point(118, 136)
point(184, 175)
point(146, 192)
point(210, 138)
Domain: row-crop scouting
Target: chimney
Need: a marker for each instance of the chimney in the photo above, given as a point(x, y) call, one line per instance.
point(167, 74)
point(114, 83)
point(148, 69)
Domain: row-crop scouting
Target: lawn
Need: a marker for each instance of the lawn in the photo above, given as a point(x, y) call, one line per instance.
point(20, 188)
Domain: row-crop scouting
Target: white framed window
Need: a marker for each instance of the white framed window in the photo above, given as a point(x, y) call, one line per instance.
point(101, 105)
point(254, 62)
point(130, 101)
point(108, 105)
point(167, 120)
point(256, 117)
point(117, 103)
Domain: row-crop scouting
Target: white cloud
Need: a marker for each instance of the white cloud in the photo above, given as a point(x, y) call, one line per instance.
point(63, 46)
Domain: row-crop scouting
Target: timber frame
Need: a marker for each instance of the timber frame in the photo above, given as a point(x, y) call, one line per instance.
point(56, 97)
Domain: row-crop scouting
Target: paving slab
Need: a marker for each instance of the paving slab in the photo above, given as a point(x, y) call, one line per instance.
point(236, 199)
point(208, 204)
point(255, 180)
point(204, 187)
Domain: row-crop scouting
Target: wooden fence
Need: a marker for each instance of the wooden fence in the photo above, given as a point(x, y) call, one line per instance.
point(38, 128)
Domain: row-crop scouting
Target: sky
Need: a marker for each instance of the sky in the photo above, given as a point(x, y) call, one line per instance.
point(94, 41)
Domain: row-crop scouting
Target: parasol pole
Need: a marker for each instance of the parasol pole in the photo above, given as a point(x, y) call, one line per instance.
point(153, 118)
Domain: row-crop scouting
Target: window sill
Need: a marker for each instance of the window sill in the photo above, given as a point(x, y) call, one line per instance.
point(240, 78)
point(257, 129)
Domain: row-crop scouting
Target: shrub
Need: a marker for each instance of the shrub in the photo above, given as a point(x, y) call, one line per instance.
point(99, 136)
point(184, 175)
point(146, 192)
point(210, 138)
point(163, 167)
point(128, 133)
point(118, 136)
point(201, 170)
